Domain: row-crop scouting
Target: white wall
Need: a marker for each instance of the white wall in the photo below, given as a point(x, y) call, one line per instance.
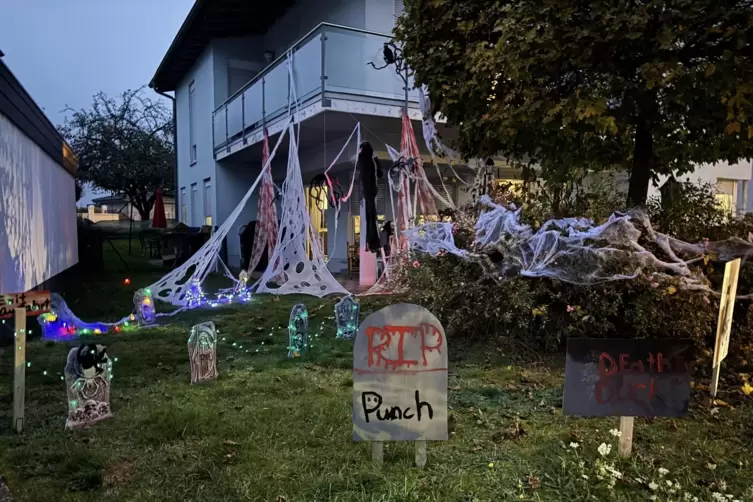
point(711, 173)
point(202, 76)
point(380, 16)
point(38, 235)
point(305, 15)
point(233, 182)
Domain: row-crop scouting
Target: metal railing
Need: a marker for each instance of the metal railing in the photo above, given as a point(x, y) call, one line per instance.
point(330, 59)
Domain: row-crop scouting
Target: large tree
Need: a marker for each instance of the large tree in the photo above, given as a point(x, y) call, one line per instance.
point(124, 146)
point(650, 86)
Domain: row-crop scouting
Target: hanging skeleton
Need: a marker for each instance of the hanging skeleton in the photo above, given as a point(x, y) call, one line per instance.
point(87, 378)
point(202, 352)
point(369, 170)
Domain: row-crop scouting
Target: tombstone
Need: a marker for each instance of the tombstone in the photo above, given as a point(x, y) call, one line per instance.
point(347, 312)
point(400, 378)
point(298, 331)
point(202, 352)
point(144, 306)
point(88, 372)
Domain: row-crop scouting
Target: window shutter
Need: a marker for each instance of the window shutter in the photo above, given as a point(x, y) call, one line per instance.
point(437, 184)
point(399, 8)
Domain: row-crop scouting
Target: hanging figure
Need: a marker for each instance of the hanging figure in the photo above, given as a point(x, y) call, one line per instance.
point(369, 169)
point(385, 237)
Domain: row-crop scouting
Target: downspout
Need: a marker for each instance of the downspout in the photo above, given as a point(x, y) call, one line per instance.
point(175, 151)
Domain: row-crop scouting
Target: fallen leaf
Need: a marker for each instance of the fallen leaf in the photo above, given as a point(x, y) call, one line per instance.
point(534, 482)
point(747, 389)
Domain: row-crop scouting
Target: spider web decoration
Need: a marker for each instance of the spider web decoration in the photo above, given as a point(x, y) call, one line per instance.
point(290, 270)
point(574, 250)
point(173, 288)
point(265, 232)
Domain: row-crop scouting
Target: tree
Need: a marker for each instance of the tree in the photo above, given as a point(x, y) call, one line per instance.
point(124, 146)
point(650, 86)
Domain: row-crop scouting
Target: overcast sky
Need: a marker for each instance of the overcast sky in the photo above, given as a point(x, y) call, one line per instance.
point(65, 51)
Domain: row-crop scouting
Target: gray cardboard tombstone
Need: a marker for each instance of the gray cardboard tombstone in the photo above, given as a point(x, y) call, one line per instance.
point(202, 352)
point(400, 376)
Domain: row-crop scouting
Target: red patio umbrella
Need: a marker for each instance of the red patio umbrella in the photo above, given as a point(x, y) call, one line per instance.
point(159, 220)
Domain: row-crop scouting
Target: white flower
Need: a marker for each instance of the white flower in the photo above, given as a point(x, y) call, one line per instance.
point(652, 497)
point(669, 483)
point(616, 433)
point(604, 449)
point(718, 497)
point(574, 445)
point(663, 472)
point(729, 496)
point(584, 476)
point(653, 486)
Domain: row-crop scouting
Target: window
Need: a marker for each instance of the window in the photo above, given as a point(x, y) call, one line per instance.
point(194, 195)
point(208, 201)
point(192, 120)
point(726, 194)
point(183, 205)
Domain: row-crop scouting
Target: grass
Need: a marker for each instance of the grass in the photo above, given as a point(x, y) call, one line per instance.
point(276, 429)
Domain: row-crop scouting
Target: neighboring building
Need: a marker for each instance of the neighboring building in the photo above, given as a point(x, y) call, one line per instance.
point(116, 207)
point(38, 233)
point(228, 68)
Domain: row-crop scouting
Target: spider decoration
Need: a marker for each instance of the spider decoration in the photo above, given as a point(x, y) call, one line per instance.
point(393, 55)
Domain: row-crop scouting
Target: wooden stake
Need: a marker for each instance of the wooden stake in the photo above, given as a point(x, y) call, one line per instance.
point(421, 453)
point(626, 436)
point(19, 375)
point(377, 452)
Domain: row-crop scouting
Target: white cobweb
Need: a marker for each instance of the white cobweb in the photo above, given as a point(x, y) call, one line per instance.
point(290, 270)
point(173, 287)
point(574, 250)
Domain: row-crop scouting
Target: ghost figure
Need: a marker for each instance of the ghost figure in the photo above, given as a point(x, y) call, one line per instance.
point(347, 312)
point(298, 331)
point(88, 372)
point(242, 282)
point(202, 352)
point(144, 306)
point(195, 296)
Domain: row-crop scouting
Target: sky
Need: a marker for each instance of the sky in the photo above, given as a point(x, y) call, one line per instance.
point(65, 51)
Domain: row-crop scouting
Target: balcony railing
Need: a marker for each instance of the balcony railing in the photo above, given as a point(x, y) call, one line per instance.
point(330, 59)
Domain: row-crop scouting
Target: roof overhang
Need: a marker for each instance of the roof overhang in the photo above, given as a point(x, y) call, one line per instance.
point(208, 20)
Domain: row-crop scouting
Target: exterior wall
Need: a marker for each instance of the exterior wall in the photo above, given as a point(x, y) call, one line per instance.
point(235, 60)
point(233, 182)
point(380, 15)
point(38, 235)
point(304, 16)
point(202, 77)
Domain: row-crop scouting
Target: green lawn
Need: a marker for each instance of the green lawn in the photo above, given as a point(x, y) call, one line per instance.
point(276, 429)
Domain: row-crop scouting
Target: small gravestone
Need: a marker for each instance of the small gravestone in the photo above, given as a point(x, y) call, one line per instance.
point(400, 379)
point(202, 352)
point(144, 306)
point(347, 312)
point(627, 378)
point(298, 331)
point(87, 378)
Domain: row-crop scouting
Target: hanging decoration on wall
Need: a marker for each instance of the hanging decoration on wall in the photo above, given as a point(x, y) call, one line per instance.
point(144, 307)
point(88, 373)
point(298, 331)
point(290, 270)
point(347, 312)
point(369, 170)
point(202, 352)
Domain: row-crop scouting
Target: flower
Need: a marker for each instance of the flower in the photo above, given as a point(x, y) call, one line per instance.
point(584, 476)
point(653, 486)
point(671, 290)
point(718, 497)
point(491, 464)
point(669, 483)
point(663, 472)
point(574, 445)
point(570, 308)
point(416, 264)
point(604, 449)
point(616, 433)
point(654, 284)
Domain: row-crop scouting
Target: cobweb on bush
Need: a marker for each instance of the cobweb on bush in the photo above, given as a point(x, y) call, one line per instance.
point(290, 269)
point(574, 250)
point(173, 287)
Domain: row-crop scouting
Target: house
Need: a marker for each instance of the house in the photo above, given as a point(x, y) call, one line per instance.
point(116, 207)
point(38, 234)
point(228, 68)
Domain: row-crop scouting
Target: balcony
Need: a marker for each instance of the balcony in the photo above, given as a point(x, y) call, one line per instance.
point(329, 64)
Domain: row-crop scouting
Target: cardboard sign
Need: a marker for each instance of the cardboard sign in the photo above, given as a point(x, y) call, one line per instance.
point(400, 376)
point(632, 378)
point(726, 308)
point(35, 303)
